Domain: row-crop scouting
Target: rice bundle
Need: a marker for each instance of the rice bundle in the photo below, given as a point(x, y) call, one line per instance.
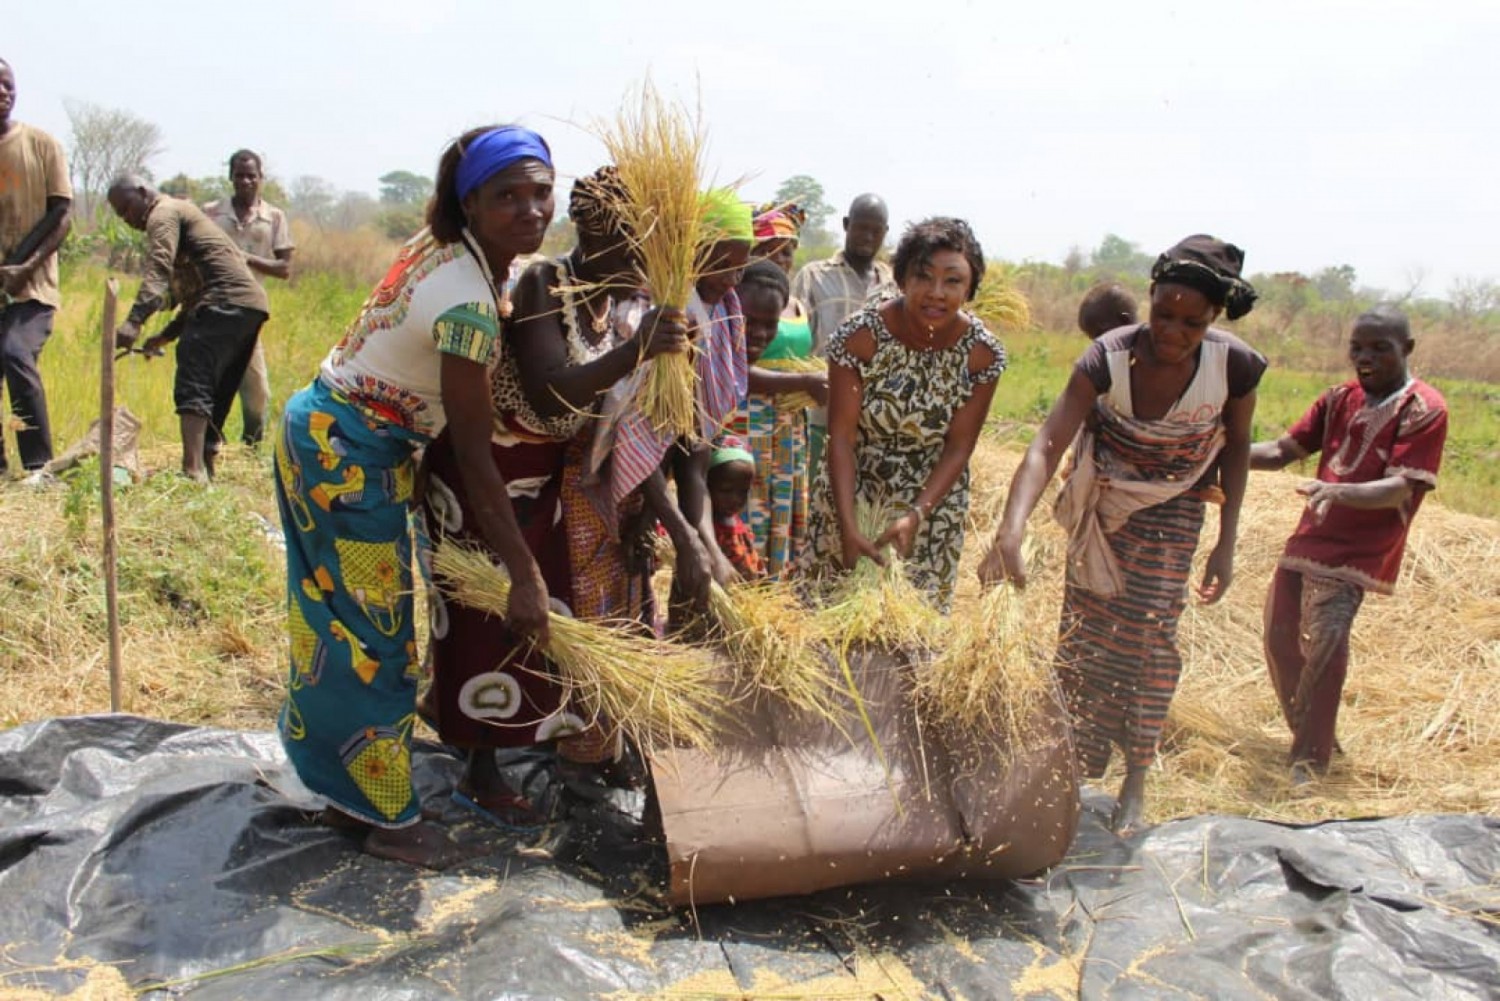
point(657, 693)
point(1000, 304)
point(989, 679)
point(794, 401)
point(769, 636)
point(874, 604)
point(658, 150)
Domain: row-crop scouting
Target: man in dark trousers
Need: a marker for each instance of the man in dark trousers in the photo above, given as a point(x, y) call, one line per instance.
point(35, 199)
point(191, 264)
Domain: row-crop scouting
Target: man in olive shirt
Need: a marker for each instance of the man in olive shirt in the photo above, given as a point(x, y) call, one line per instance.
point(191, 264)
point(259, 229)
point(35, 201)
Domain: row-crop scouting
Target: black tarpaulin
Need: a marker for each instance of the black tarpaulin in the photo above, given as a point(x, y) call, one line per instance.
point(184, 856)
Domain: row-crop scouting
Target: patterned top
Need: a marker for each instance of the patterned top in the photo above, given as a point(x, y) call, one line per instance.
point(1402, 435)
point(1228, 368)
point(910, 397)
point(722, 378)
point(515, 420)
point(739, 548)
point(434, 300)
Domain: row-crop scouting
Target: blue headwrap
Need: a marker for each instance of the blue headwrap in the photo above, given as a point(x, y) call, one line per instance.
point(495, 150)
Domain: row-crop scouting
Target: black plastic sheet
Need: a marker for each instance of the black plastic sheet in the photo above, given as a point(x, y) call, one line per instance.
point(185, 857)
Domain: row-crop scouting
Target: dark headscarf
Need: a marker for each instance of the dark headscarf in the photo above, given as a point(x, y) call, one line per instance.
point(1211, 266)
point(594, 204)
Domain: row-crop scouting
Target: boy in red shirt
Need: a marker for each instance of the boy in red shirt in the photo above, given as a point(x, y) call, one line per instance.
point(1381, 437)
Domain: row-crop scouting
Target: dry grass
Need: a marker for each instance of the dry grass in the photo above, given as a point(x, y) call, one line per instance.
point(1420, 723)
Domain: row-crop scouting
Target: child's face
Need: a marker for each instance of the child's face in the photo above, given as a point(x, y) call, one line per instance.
point(729, 488)
point(762, 308)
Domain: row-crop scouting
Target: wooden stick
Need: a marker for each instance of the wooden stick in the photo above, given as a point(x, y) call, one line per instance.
point(107, 486)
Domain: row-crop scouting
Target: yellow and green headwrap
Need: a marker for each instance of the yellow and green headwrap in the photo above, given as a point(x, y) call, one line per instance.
point(726, 216)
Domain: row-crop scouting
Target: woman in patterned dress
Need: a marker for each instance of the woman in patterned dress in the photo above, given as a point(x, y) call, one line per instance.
point(773, 421)
point(1167, 403)
point(910, 383)
point(567, 345)
point(414, 362)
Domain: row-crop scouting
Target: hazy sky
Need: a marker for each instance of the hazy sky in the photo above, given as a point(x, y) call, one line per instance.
point(1311, 133)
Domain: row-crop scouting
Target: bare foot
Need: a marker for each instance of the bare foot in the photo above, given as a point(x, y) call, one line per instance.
point(421, 844)
point(1131, 806)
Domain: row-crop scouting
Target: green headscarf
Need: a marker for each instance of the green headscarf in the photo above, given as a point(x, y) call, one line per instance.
point(731, 453)
point(727, 217)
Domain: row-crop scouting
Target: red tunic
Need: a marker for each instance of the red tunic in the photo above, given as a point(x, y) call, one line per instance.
point(738, 545)
point(1401, 436)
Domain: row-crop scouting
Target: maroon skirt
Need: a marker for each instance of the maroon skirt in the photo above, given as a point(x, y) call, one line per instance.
point(492, 688)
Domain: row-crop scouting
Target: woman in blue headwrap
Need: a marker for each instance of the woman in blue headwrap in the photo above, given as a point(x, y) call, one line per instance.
point(414, 362)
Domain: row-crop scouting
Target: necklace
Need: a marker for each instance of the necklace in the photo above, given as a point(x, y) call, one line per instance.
point(503, 304)
point(580, 349)
point(599, 322)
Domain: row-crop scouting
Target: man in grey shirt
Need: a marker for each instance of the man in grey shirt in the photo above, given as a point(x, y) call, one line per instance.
point(834, 289)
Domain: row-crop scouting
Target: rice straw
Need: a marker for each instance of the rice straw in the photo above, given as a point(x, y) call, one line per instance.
point(658, 148)
point(656, 692)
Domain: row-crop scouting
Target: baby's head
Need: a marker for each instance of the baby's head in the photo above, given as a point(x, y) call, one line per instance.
point(1104, 307)
point(730, 473)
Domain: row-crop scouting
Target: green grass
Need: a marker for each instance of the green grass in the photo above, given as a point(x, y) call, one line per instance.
point(1470, 479)
point(306, 319)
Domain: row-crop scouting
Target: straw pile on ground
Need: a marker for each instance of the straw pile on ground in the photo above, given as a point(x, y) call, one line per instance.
point(656, 693)
point(657, 147)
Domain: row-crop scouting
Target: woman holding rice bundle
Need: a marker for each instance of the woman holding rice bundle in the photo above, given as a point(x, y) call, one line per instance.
point(565, 346)
point(640, 451)
point(910, 383)
point(413, 363)
point(1160, 404)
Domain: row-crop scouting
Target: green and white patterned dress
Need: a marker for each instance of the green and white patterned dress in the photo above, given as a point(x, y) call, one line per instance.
point(910, 397)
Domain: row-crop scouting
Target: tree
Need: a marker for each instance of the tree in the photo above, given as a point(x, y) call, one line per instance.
point(353, 210)
point(312, 198)
point(1335, 284)
point(1117, 256)
point(808, 194)
point(107, 142)
point(198, 190)
point(402, 187)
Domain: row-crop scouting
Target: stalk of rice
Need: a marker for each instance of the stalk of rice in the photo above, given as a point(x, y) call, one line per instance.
point(875, 604)
point(657, 693)
point(768, 634)
point(657, 147)
point(794, 401)
point(989, 678)
point(1000, 304)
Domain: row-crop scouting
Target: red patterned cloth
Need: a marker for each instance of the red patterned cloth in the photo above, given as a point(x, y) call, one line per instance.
point(738, 543)
point(1402, 435)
